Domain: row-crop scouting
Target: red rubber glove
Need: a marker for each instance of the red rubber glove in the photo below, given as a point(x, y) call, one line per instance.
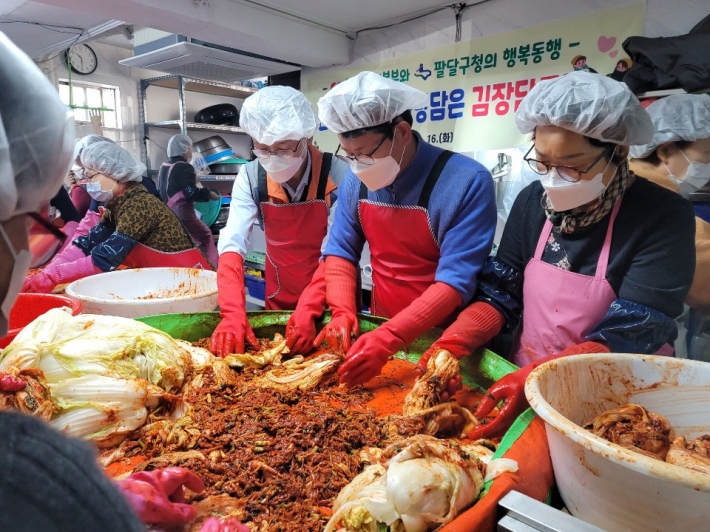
point(474, 327)
point(10, 383)
point(231, 524)
point(234, 328)
point(157, 496)
point(584, 348)
point(301, 326)
point(340, 291)
point(511, 390)
point(371, 351)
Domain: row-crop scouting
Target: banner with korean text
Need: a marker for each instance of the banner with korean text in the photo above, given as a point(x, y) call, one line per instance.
point(475, 87)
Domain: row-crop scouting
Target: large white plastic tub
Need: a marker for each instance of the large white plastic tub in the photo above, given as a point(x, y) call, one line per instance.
point(147, 291)
point(608, 485)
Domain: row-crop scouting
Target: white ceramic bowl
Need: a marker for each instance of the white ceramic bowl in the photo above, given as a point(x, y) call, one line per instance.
point(146, 291)
point(605, 484)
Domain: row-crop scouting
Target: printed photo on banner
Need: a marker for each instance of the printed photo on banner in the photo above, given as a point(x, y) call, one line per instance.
point(475, 87)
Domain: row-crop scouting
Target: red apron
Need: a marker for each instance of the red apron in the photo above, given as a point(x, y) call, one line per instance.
point(142, 256)
point(184, 209)
point(294, 233)
point(561, 307)
point(403, 248)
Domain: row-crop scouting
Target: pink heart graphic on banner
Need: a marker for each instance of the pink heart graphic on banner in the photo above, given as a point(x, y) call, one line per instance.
point(606, 43)
point(613, 54)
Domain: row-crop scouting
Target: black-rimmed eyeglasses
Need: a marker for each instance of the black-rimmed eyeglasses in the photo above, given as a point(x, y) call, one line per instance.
point(568, 173)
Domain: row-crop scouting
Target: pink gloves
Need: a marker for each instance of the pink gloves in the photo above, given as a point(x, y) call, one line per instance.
point(157, 496)
point(44, 281)
point(10, 383)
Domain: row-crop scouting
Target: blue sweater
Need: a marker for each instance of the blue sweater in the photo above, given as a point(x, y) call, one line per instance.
point(462, 213)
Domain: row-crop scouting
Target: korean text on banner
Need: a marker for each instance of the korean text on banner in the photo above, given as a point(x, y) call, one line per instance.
point(475, 87)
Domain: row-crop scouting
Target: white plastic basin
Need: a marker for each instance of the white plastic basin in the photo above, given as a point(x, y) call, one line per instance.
point(605, 484)
point(147, 291)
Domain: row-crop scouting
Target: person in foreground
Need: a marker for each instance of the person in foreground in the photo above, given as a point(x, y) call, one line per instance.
point(49, 482)
point(427, 214)
point(593, 259)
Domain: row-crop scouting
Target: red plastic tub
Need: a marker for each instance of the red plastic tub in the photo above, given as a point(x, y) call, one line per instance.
point(28, 307)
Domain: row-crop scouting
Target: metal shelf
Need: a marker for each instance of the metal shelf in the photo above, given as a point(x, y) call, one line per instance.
point(220, 177)
point(194, 126)
point(216, 88)
point(182, 85)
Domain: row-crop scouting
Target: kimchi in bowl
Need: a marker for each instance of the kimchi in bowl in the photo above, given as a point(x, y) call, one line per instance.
point(606, 484)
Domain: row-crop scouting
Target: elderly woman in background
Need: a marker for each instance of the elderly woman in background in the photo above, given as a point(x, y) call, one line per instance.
point(678, 159)
point(180, 190)
point(136, 229)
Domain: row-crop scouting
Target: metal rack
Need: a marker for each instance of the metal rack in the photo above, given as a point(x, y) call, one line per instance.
point(182, 85)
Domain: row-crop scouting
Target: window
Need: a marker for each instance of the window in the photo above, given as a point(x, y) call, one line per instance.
point(93, 95)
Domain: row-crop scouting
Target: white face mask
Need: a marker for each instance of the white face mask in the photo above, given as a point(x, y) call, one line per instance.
point(282, 168)
point(22, 262)
point(696, 177)
point(379, 174)
point(564, 195)
point(94, 190)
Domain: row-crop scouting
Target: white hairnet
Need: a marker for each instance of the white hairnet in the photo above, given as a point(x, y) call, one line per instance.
point(36, 134)
point(589, 104)
point(676, 118)
point(83, 142)
point(178, 145)
point(113, 161)
point(367, 100)
point(277, 113)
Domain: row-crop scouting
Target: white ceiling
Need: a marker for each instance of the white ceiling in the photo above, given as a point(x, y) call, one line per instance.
point(353, 15)
point(33, 38)
point(304, 32)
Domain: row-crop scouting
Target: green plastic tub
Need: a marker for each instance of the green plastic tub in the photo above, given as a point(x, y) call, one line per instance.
point(479, 370)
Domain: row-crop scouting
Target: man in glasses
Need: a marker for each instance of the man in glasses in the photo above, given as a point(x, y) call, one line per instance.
point(428, 215)
point(290, 190)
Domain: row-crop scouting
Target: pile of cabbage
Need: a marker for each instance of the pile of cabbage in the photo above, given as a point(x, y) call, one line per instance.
point(416, 485)
point(101, 371)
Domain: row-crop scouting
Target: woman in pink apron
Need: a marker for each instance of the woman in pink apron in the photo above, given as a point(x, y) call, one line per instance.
point(179, 190)
point(593, 258)
point(136, 229)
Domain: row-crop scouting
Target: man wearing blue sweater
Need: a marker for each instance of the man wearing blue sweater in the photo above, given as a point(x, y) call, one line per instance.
point(428, 215)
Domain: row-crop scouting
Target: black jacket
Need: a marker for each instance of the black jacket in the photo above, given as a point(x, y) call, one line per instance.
point(670, 62)
point(183, 179)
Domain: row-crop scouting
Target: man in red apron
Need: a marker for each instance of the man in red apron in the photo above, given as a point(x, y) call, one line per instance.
point(290, 191)
point(593, 259)
point(179, 190)
point(427, 214)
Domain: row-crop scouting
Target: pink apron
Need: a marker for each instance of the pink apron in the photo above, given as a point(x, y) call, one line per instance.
point(185, 211)
point(561, 307)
